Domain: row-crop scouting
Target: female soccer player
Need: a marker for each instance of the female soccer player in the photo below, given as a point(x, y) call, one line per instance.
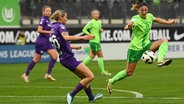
point(60, 39)
point(42, 45)
point(141, 25)
point(94, 27)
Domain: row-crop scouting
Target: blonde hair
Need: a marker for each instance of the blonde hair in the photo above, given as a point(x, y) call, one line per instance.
point(135, 6)
point(57, 14)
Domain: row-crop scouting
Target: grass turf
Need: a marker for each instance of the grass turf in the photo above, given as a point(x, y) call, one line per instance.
point(158, 85)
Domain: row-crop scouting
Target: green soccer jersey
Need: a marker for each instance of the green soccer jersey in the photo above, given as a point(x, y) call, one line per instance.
point(93, 27)
point(141, 31)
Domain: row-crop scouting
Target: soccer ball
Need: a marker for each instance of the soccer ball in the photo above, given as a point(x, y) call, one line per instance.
point(148, 57)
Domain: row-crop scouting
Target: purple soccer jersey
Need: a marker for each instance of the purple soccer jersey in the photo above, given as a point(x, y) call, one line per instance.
point(42, 43)
point(67, 58)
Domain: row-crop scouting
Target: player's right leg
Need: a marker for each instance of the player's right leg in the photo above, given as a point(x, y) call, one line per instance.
point(162, 47)
point(54, 56)
point(88, 58)
point(83, 72)
point(30, 67)
point(164, 62)
point(69, 98)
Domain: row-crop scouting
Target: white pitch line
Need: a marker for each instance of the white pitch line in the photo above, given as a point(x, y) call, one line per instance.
point(137, 94)
point(9, 96)
point(105, 97)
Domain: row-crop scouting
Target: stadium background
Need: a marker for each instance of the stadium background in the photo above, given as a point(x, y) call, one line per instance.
point(21, 17)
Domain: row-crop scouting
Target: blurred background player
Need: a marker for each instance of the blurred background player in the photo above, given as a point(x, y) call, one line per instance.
point(141, 25)
point(94, 27)
point(42, 45)
point(61, 40)
point(21, 40)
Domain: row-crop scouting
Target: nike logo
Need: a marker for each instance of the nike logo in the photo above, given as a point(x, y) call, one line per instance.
point(178, 36)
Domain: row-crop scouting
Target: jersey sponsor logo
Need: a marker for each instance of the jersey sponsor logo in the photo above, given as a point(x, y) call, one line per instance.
point(178, 36)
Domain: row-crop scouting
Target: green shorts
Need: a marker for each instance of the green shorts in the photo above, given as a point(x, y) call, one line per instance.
point(135, 55)
point(95, 46)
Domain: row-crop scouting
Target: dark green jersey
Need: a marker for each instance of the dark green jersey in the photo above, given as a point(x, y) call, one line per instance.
point(141, 31)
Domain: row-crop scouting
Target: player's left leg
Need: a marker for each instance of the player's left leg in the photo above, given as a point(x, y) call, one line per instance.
point(88, 58)
point(133, 57)
point(92, 98)
point(101, 63)
point(121, 75)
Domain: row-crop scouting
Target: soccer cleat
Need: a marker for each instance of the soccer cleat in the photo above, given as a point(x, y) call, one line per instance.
point(49, 77)
point(164, 62)
point(96, 97)
point(106, 73)
point(109, 86)
point(69, 98)
point(25, 78)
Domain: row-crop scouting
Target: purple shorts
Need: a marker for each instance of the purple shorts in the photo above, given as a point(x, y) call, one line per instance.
point(41, 47)
point(70, 62)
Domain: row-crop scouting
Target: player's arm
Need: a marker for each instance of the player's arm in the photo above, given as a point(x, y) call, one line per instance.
point(77, 47)
point(129, 25)
point(86, 28)
point(40, 27)
point(71, 38)
point(163, 21)
point(40, 30)
point(101, 30)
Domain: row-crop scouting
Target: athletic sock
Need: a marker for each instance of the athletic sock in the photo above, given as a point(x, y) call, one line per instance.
point(87, 50)
point(87, 60)
point(101, 64)
point(77, 89)
point(30, 67)
point(89, 93)
point(51, 65)
point(162, 51)
point(119, 76)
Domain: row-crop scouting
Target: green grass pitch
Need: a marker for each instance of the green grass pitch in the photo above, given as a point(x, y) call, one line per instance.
point(157, 85)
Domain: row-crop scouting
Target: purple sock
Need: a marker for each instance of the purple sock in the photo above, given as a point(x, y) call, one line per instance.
point(51, 65)
point(89, 93)
point(30, 67)
point(77, 89)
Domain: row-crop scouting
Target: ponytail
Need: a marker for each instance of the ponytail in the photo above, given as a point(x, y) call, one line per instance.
point(57, 14)
point(138, 4)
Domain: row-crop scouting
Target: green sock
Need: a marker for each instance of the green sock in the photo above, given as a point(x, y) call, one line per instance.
point(87, 60)
point(119, 76)
point(162, 51)
point(87, 50)
point(101, 64)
